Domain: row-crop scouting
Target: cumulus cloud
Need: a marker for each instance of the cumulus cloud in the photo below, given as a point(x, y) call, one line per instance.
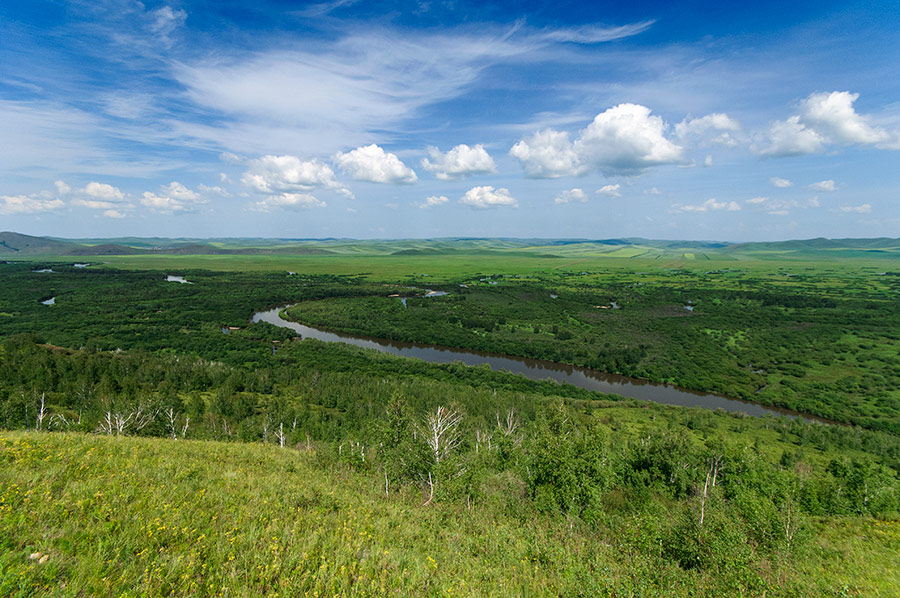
point(828, 185)
point(487, 197)
point(757, 200)
point(275, 175)
point(459, 162)
point(28, 204)
point(103, 191)
point(792, 138)
point(825, 119)
point(623, 140)
point(780, 182)
point(371, 163)
point(570, 196)
point(611, 190)
point(710, 205)
point(716, 128)
point(860, 209)
point(101, 196)
point(113, 214)
point(175, 198)
point(434, 201)
point(813, 202)
point(62, 188)
point(548, 154)
point(833, 116)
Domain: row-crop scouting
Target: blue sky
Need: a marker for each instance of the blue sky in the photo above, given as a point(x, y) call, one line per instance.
point(695, 120)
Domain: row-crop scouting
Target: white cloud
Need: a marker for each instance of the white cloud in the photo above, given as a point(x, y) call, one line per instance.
point(716, 128)
point(780, 182)
point(860, 209)
point(710, 205)
point(275, 175)
point(611, 190)
point(825, 119)
point(833, 116)
point(459, 162)
point(828, 185)
point(230, 158)
point(371, 163)
point(652, 191)
point(593, 35)
point(626, 139)
point(708, 161)
point(487, 197)
point(623, 140)
point(178, 191)
point(571, 196)
point(62, 188)
point(780, 207)
point(103, 192)
point(324, 95)
point(101, 196)
point(792, 138)
point(175, 198)
point(289, 201)
point(548, 154)
point(113, 214)
point(165, 21)
point(434, 201)
point(28, 204)
point(206, 189)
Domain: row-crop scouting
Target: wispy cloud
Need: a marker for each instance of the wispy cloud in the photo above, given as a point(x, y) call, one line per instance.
point(710, 205)
point(571, 196)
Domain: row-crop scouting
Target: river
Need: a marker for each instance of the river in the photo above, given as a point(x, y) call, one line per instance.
point(537, 369)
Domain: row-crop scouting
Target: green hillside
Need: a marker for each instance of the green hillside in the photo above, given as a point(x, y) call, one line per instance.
point(156, 517)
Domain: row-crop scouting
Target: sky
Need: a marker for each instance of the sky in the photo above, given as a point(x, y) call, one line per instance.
point(393, 119)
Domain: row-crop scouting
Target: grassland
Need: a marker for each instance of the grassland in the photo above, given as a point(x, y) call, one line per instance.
point(129, 516)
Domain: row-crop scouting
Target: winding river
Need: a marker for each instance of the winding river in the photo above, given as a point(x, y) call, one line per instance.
point(537, 369)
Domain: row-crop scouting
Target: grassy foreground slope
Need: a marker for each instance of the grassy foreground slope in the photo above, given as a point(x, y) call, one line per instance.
point(140, 516)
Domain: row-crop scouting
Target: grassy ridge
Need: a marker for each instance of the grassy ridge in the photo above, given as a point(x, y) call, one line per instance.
point(131, 516)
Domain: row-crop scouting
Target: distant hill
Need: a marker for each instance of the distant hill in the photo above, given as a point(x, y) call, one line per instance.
point(16, 244)
point(103, 249)
point(19, 244)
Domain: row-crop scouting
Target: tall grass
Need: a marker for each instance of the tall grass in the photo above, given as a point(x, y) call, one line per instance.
point(153, 517)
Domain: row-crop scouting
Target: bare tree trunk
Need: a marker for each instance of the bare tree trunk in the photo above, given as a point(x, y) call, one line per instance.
point(39, 422)
point(441, 431)
point(431, 489)
point(709, 473)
